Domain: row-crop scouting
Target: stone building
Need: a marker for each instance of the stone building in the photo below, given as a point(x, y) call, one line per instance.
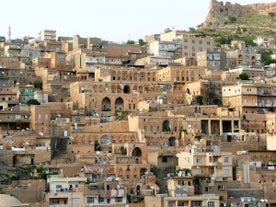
point(213, 60)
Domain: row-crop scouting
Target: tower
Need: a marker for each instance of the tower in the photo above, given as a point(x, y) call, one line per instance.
point(9, 33)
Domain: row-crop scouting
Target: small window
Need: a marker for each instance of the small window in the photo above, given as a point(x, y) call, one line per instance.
point(164, 159)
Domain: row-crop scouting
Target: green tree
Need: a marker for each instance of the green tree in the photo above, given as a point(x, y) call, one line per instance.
point(192, 30)
point(29, 170)
point(167, 30)
point(232, 19)
point(243, 76)
point(248, 40)
point(42, 172)
point(33, 102)
point(266, 56)
point(141, 42)
point(199, 99)
point(130, 42)
point(222, 40)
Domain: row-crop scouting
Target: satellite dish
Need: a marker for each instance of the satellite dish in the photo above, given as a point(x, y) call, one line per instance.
point(40, 133)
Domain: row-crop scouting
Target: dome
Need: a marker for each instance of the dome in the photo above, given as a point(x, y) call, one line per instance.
point(10, 201)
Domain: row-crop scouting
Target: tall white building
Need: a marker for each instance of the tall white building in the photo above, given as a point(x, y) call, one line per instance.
point(47, 35)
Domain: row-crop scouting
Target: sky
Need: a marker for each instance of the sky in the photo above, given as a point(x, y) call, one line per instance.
point(113, 20)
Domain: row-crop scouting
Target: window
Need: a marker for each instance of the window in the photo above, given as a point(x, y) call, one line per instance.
point(75, 201)
point(226, 159)
point(119, 199)
point(164, 159)
point(78, 119)
point(211, 204)
point(226, 172)
point(39, 116)
point(90, 200)
point(181, 182)
point(54, 201)
point(101, 200)
point(170, 204)
point(198, 159)
point(58, 187)
point(220, 187)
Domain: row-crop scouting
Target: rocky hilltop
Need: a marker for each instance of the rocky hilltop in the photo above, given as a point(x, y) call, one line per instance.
point(242, 20)
point(219, 10)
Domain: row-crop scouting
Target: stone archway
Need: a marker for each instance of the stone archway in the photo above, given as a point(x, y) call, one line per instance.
point(166, 126)
point(126, 89)
point(119, 104)
point(137, 152)
point(106, 104)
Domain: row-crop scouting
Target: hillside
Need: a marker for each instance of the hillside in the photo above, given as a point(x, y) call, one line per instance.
point(235, 21)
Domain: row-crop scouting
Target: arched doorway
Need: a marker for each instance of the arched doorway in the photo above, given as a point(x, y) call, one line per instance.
point(137, 152)
point(166, 126)
point(119, 104)
point(126, 89)
point(106, 104)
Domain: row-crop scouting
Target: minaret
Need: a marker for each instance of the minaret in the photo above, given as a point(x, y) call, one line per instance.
point(9, 33)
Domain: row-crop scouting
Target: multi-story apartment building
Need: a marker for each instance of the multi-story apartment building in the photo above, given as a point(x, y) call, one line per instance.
point(240, 54)
point(164, 200)
point(256, 96)
point(72, 191)
point(213, 60)
point(47, 35)
point(207, 161)
point(255, 100)
point(165, 49)
point(190, 43)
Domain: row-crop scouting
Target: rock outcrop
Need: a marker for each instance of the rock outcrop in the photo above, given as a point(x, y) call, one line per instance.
point(219, 10)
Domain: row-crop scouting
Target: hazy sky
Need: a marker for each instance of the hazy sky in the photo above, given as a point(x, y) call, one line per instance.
point(115, 20)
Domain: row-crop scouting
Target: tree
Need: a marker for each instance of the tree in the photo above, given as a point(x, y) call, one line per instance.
point(42, 172)
point(232, 19)
point(141, 42)
point(167, 30)
point(130, 42)
point(243, 76)
point(221, 40)
point(266, 56)
point(29, 170)
point(192, 30)
point(33, 102)
point(199, 100)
